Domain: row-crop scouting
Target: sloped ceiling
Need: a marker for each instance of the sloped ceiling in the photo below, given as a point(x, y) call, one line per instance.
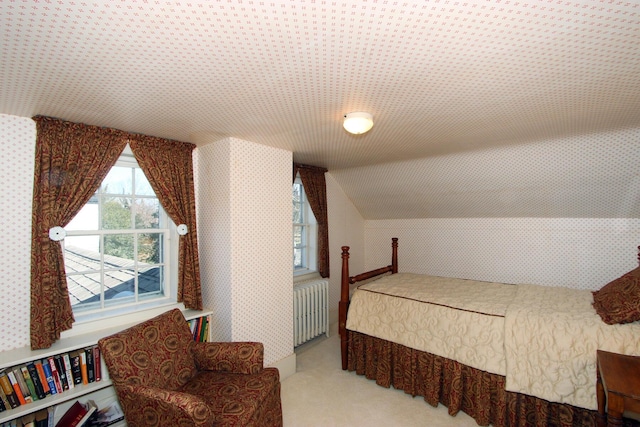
point(449, 83)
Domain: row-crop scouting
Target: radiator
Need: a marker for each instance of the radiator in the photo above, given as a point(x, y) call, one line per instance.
point(310, 310)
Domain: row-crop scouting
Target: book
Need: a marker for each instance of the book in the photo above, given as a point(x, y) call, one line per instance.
point(83, 367)
point(198, 329)
point(22, 384)
point(76, 373)
point(51, 415)
point(8, 390)
point(62, 372)
point(91, 408)
point(4, 403)
point(66, 361)
point(35, 379)
point(28, 420)
point(55, 374)
point(90, 364)
point(204, 336)
point(43, 377)
point(27, 379)
point(109, 413)
point(97, 363)
point(49, 376)
point(42, 418)
point(16, 387)
point(73, 415)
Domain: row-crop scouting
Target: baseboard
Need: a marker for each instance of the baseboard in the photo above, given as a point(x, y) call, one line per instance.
point(286, 366)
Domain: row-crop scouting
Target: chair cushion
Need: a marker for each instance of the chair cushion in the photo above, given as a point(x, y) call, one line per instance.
point(239, 399)
point(155, 353)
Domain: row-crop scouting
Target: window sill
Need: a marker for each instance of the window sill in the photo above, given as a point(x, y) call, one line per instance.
point(69, 342)
point(306, 276)
point(85, 323)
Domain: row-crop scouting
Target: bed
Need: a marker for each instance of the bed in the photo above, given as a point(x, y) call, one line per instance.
point(507, 355)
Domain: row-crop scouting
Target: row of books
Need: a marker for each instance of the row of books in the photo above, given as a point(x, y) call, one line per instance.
point(42, 418)
point(78, 415)
point(38, 379)
point(199, 328)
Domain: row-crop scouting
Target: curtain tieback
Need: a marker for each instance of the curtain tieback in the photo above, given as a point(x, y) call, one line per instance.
point(182, 229)
point(57, 233)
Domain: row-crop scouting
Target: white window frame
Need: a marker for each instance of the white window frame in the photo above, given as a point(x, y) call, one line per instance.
point(310, 237)
point(93, 319)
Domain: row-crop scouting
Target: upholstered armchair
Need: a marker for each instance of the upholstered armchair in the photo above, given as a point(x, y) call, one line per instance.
point(164, 378)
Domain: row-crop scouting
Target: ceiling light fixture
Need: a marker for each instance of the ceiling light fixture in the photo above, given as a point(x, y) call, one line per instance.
point(358, 122)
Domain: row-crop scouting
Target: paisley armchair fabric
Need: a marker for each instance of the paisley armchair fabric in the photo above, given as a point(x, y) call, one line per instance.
point(163, 378)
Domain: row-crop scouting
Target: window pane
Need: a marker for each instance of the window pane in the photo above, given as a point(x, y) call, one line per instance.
point(150, 281)
point(297, 258)
point(116, 213)
point(84, 289)
point(298, 233)
point(149, 248)
point(118, 181)
point(81, 253)
point(143, 188)
point(118, 250)
point(119, 286)
point(147, 213)
point(87, 218)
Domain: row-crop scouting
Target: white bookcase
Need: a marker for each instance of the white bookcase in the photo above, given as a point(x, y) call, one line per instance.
point(100, 389)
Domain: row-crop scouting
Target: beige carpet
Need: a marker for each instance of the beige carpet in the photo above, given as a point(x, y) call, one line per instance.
point(321, 394)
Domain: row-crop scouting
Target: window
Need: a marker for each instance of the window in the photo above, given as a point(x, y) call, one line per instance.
point(117, 252)
point(304, 232)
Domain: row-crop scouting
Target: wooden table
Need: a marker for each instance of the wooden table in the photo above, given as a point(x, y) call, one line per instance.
point(618, 387)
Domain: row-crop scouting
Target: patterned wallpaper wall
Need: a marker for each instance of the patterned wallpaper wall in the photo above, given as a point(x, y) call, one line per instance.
point(17, 145)
point(244, 209)
point(579, 253)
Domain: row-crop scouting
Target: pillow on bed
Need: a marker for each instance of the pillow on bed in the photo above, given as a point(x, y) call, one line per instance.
point(619, 300)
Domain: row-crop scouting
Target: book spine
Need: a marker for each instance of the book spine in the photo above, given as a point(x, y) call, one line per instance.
point(90, 368)
point(4, 403)
point(8, 390)
point(43, 377)
point(83, 367)
point(22, 384)
point(61, 371)
point(66, 360)
point(196, 335)
point(35, 379)
point(55, 374)
point(97, 363)
point(49, 375)
point(16, 387)
point(76, 373)
point(30, 385)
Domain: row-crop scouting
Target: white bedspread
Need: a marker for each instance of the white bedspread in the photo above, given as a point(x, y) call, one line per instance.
point(543, 339)
point(551, 339)
point(458, 319)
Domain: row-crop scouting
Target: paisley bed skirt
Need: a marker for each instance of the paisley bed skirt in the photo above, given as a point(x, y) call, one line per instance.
point(479, 394)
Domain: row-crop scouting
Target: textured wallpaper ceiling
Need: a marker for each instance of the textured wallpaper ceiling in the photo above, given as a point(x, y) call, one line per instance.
point(440, 77)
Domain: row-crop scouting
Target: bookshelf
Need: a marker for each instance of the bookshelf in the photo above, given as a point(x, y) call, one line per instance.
point(24, 355)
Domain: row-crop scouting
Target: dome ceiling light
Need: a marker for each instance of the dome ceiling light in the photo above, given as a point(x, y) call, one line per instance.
point(358, 122)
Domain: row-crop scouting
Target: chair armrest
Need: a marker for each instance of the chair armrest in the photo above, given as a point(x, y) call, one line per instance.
point(232, 357)
point(145, 406)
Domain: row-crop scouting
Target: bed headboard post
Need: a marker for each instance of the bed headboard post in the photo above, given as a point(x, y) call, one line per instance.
point(394, 255)
point(343, 307)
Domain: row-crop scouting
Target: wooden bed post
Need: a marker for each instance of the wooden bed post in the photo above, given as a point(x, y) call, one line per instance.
point(394, 255)
point(344, 306)
point(344, 292)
